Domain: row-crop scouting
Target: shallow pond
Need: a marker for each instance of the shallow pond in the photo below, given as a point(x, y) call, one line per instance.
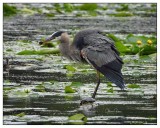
point(34, 85)
point(39, 93)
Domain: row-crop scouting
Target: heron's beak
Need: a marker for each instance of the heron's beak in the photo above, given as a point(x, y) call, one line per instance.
point(46, 40)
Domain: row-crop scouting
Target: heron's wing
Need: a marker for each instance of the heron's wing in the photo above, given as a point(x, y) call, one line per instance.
point(75, 54)
point(103, 42)
point(104, 57)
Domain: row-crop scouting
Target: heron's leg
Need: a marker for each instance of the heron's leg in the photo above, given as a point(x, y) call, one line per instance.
point(91, 100)
point(98, 83)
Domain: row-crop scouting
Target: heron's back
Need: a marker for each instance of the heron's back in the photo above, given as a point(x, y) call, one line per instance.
point(101, 52)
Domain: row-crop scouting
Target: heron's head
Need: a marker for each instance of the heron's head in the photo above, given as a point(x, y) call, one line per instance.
point(53, 36)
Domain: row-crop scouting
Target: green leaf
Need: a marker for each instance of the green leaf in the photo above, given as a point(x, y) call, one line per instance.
point(92, 13)
point(145, 57)
point(68, 7)
point(28, 11)
point(49, 45)
point(9, 50)
point(68, 89)
point(40, 52)
point(121, 48)
point(68, 97)
point(8, 88)
point(77, 119)
point(70, 68)
point(134, 49)
point(124, 7)
point(69, 74)
point(89, 7)
point(20, 93)
point(147, 49)
point(21, 114)
point(109, 84)
point(122, 14)
point(27, 90)
point(76, 84)
point(9, 10)
point(153, 56)
point(40, 88)
point(133, 86)
point(113, 37)
point(133, 39)
point(50, 14)
point(110, 90)
point(7, 81)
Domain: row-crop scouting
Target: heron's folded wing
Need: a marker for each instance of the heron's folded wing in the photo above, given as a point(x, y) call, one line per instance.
point(75, 54)
point(101, 55)
point(102, 43)
point(105, 60)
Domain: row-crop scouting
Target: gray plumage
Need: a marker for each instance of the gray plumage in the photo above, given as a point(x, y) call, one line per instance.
point(102, 54)
point(92, 46)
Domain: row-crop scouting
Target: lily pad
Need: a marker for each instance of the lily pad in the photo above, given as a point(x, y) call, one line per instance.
point(9, 10)
point(77, 119)
point(133, 86)
point(119, 44)
point(68, 7)
point(21, 114)
point(76, 84)
point(40, 88)
point(89, 7)
point(40, 52)
point(133, 39)
point(109, 84)
point(68, 89)
point(19, 93)
point(121, 48)
point(50, 14)
point(69, 74)
point(134, 49)
point(113, 37)
point(48, 45)
point(153, 56)
point(147, 49)
point(27, 90)
point(122, 14)
point(28, 11)
point(70, 68)
point(69, 97)
point(124, 7)
point(110, 90)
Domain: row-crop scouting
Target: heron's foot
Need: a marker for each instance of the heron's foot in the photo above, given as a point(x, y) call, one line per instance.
point(87, 100)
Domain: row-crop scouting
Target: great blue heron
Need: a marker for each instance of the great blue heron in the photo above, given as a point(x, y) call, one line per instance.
point(93, 47)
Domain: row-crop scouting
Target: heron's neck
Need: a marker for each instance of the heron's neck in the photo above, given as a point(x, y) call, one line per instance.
point(65, 45)
point(65, 50)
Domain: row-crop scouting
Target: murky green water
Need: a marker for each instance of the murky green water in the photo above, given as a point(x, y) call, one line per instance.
point(34, 87)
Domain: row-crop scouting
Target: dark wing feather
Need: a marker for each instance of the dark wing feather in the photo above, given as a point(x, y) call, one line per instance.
point(75, 54)
point(103, 55)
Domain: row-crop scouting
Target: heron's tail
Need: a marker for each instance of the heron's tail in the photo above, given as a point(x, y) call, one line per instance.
point(114, 76)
